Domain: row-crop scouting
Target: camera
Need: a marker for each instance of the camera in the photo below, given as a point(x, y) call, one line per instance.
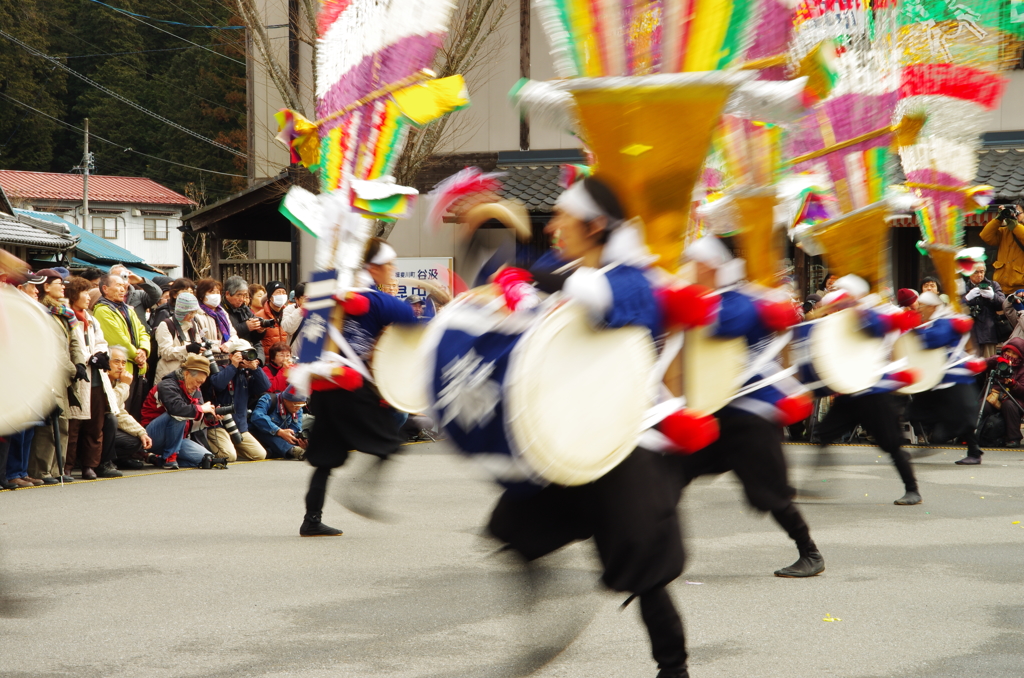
point(1007, 213)
point(250, 354)
point(267, 322)
point(301, 435)
point(1003, 369)
point(207, 352)
point(227, 419)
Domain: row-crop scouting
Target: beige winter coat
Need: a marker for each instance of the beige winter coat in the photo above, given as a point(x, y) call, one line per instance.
point(171, 350)
point(90, 337)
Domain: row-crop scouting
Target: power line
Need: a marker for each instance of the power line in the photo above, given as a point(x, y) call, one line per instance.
point(112, 143)
point(163, 21)
point(117, 96)
point(138, 51)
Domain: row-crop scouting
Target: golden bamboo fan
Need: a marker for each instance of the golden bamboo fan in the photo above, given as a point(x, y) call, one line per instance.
point(858, 243)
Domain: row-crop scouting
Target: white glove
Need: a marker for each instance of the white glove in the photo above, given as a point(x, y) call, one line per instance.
point(988, 293)
point(975, 291)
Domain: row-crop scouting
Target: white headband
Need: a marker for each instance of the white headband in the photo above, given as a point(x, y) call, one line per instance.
point(577, 202)
point(708, 250)
point(385, 255)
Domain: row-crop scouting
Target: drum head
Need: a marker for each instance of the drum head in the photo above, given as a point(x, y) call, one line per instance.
point(846, 359)
point(711, 368)
point(575, 396)
point(930, 364)
point(32, 373)
point(400, 368)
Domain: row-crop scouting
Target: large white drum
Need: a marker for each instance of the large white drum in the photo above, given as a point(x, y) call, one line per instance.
point(712, 368)
point(29, 350)
point(837, 352)
point(539, 396)
point(400, 368)
point(930, 364)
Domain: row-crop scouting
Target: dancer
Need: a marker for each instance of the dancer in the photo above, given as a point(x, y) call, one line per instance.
point(349, 412)
point(874, 408)
point(630, 512)
point(950, 409)
point(750, 440)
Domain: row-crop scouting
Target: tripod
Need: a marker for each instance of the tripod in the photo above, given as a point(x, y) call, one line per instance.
point(990, 381)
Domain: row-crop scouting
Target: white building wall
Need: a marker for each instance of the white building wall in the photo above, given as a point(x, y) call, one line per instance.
point(131, 232)
point(1010, 114)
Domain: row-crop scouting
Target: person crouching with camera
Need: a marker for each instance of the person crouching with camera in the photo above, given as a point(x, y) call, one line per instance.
point(1006, 390)
point(231, 387)
point(984, 298)
point(170, 410)
point(277, 424)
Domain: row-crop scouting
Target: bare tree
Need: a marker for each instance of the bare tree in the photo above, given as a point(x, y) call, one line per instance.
point(196, 244)
point(473, 40)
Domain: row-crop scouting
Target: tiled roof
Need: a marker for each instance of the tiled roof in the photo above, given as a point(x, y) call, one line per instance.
point(536, 186)
point(54, 186)
point(90, 245)
point(1003, 169)
point(14, 232)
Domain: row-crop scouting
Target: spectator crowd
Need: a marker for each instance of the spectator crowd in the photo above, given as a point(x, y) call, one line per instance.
point(170, 372)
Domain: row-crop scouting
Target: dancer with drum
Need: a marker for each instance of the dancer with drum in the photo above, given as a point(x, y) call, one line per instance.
point(750, 439)
point(350, 414)
point(630, 511)
point(951, 407)
point(874, 408)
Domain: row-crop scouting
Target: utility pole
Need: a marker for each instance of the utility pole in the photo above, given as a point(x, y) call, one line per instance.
point(86, 162)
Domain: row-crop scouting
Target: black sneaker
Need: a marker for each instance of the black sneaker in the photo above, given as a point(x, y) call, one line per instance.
point(911, 498)
point(673, 673)
point(966, 461)
point(130, 464)
point(107, 470)
point(809, 565)
point(312, 527)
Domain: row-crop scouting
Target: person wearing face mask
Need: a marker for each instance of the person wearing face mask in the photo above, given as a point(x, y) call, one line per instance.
point(273, 310)
point(212, 319)
point(178, 336)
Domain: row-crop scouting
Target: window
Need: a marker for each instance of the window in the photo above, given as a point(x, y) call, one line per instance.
point(156, 229)
point(105, 227)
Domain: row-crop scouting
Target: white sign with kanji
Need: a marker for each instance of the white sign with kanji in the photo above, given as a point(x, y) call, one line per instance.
point(410, 270)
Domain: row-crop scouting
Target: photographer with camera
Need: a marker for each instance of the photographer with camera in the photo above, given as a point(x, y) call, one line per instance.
point(231, 387)
point(1005, 393)
point(169, 411)
point(1005, 232)
point(277, 424)
point(236, 305)
point(983, 298)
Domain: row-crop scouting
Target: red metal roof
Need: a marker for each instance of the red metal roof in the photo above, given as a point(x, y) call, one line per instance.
point(54, 186)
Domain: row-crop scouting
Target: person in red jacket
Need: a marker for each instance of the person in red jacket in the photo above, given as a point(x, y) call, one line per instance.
point(279, 359)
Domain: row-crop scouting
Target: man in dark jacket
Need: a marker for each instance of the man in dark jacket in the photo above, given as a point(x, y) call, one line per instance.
point(983, 298)
point(180, 402)
point(235, 384)
point(236, 304)
point(141, 295)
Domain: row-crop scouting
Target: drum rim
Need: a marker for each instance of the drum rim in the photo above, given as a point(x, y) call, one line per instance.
point(934, 377)
point(517, 404)
point(414, 381)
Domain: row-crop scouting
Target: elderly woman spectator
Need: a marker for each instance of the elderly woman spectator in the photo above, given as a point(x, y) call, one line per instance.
point(212, 319)
point(178, 336)
point(278, 362)
point(122, 326)
point(179, 405)
point(277, 421)
point(130, 439)
point(43, 460)
point(85, 428)
point(140, 294)
point(236, 304)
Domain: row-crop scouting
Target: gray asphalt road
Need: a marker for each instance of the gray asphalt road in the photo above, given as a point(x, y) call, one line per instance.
point(201, 573)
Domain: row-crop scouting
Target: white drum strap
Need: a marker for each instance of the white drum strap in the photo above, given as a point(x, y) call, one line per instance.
point(654, 415)
point(769, 354)
point(959, 350)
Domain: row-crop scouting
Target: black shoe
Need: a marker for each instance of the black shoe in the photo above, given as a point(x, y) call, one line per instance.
point(173, 466)
point(51, 481)
point(206, 461)
point(130, 464)
point(673, 673)
point(312, 527)
point(966, 461)
point(67, 478)
point(807, 566)
point(911, 498)
point(155, 460)
point(1011, 443)
point(4, 485)
point(107, 470)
